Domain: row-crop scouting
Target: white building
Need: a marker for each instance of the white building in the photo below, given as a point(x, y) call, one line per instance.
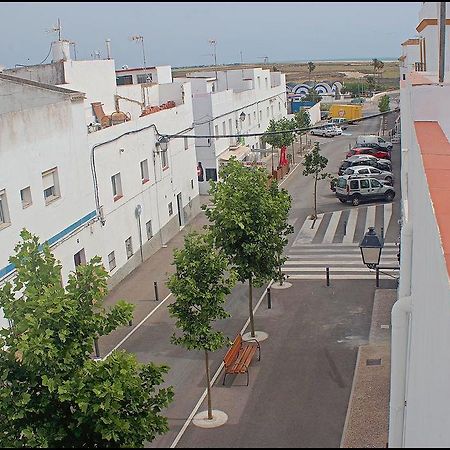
point(233, 102)
point(420, 377)
point(82, 167)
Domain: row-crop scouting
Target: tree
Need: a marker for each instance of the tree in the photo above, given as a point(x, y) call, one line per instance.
point(242, 226)
point(312, 96)
point(354, 88)
point(302, 120)
point(52, 394)
point(384, 104)
point(377, 65)
point(279, 140)
point(311, 67)
point(201, 288)
point(315, 164)
point(371, 82)
point(281, 206)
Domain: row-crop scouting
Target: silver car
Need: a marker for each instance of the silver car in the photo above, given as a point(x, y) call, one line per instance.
point(372, 172)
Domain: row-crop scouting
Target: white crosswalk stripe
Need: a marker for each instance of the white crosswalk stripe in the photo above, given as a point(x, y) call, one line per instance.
point(313, 250)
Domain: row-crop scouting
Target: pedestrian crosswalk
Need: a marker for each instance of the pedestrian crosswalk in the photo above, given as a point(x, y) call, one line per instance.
point(332, 241)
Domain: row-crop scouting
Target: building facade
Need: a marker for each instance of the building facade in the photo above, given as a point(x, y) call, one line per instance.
point(233, 102)
point(83, 166)
point(420, 370)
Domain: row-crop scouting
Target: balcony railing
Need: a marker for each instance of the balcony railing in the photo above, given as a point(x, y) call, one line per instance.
point(420, 67)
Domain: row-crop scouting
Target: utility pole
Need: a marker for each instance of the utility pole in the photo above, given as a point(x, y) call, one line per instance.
point(213, 43)
point(140, 39)
point(442, 27)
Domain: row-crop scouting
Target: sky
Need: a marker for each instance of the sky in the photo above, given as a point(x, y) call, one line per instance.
point(177, 33)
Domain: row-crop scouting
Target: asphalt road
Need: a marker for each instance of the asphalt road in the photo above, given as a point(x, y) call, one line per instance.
point(151, 342)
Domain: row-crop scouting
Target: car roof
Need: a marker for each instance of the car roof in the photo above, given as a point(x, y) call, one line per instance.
point(363, 167)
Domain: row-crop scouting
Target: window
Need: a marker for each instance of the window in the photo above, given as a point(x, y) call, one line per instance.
point(112, 261)
point(279, 106)
point(4, 212)
point(260, 115)
point(186, 143)
point(165, 159)
point(267, 111)
point(375, 183)
point(50, 182)
point(144, 171)
point(254, 116)
point(216, 131)
point(124, 79)
point(116, 186)
point(230, 125)
point(364, 184)
point(192, 184)
point(144, 78)
point(25, 196)
point(129, 248)
point(211, 174)
point(364, 171)
point(375, 171)
point(79, 258)
point(271, 110)
point(267, 83)
point(224, 128)
point(249, 120)
point(354, 184)
point(148, 227)
point(170, 208)
point(259, 82)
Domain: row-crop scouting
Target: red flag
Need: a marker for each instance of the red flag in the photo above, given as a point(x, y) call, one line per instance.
point(283, 160)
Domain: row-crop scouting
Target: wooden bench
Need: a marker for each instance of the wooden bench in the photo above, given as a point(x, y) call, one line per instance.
point(239, 356)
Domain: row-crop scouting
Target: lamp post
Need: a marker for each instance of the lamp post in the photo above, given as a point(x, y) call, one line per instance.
point(137, 213)
point(371, 247)
point(242, 117)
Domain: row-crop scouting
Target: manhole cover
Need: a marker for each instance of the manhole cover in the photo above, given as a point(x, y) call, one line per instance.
point(373, 362)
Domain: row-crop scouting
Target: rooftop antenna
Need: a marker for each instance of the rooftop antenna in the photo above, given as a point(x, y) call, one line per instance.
point(139, 38)
point(56, 29)
point(213, 44)
point(108, 48)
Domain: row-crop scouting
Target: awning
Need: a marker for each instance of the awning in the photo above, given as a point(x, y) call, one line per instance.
point(239, 152)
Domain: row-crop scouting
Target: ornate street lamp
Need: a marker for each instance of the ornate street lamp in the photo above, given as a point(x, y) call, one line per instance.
point(371, 247)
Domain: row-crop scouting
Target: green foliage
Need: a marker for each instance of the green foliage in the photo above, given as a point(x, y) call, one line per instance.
point(281, 139)
point(355, 88)
point(311, 67)
point(201, 288)
point(315, 164)
point(302, 119)
point(371, 82)
point(52, 394)
point(312, 96)
point(384, 104)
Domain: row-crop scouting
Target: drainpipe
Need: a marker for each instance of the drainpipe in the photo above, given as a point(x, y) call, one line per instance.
point(442, 27)
point(401, 321)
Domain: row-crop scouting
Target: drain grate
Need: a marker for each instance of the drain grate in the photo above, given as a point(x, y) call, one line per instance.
point(373, 362)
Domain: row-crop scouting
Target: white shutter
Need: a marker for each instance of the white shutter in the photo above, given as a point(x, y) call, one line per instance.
point(48, 180)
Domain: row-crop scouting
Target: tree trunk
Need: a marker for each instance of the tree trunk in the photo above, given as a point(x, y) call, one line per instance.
point(208, 389)
point(250, 306)
point(315, 197)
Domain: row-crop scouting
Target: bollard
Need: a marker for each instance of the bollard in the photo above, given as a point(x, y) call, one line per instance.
point(378, 278)
point(130, 323)
point(345, 228)
point(382, 232)
point(269, 299)
point(328, 276)
point(155, 285)
point(97, 350)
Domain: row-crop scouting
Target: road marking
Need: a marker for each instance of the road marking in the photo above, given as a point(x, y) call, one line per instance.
point(351, 226)
point(332, 269)
point(329, 263)
point(332, 227)
point(387, 216)
point(370, 218)
point(307, 233)
point(339, 277)
point(137, 326)
point(214, 378)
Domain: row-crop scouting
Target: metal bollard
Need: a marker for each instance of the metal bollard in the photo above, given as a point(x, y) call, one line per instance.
point(97, 350)
point(378, 277)
point(130, 323)
point(328, 276)
point(155, 285)
point(269, 299)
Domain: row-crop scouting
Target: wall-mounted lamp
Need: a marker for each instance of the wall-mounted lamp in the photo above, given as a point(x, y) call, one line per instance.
point(162, 144)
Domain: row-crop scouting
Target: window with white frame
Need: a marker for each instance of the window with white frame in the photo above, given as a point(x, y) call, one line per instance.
point(279, 106)
point(129, 247)
point(216, 131)
point(112, 261)
point(186, 143)
point(116, 183)
point(148, 227)
point(4, 212)
point(267, 111)
point(170, 209)
point(165, 159)
point(230, 125)
point(50, 182)
point(144, 171)
point(25, 196)
point(271, 109)
point(224, 128)
point(254, 116)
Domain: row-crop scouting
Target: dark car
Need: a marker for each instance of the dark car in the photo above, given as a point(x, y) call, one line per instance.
point(383, 154)
point(375, 146)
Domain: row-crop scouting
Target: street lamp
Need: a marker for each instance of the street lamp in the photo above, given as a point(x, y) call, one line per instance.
point(371, 247)
point(242, 116)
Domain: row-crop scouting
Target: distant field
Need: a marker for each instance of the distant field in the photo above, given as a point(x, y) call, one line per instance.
point(332, 71)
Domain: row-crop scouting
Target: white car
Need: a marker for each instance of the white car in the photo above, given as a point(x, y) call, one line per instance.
point(369, 171)
point(324, 132)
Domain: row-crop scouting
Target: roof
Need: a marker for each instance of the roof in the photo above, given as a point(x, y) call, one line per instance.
point(241, 152)
point(435, 150)
point(50, 87)
point(415, 41)
point(418, 79)
point(135, 69)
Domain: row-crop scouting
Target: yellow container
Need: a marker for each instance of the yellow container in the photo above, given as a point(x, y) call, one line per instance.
point(349, 112)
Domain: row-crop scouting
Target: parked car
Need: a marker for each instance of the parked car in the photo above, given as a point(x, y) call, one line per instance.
point(369, 171)
point(358, 189)
point(365, 160)
point(339, 122)
point(382, 154)
point(376, 146)
point(373, 139)
point(324, 132)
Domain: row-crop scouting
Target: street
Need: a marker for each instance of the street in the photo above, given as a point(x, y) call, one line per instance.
point(316, 324)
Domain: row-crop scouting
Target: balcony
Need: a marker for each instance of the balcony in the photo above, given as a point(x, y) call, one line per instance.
point(420, 67)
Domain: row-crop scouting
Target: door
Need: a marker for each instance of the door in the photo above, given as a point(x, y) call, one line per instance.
point(79, 258)
point(180, 210)
point(377, 189)
point(365, 189)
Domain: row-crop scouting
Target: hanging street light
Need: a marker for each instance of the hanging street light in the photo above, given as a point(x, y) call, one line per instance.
point(371, 247)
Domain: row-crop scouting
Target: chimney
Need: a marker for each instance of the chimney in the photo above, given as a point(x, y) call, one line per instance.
point(108, 48)
point(60, 51)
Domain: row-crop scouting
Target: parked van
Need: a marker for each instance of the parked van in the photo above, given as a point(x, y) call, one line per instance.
point(373, 139)
point(339, 122)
